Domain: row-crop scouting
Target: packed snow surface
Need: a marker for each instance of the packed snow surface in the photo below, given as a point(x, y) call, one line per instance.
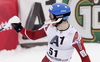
point(35, 54)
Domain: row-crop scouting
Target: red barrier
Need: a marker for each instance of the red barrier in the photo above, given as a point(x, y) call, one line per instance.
point(8, 37)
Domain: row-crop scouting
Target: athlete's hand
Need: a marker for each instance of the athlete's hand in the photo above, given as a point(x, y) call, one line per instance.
point(17, 27)
point(15, 22)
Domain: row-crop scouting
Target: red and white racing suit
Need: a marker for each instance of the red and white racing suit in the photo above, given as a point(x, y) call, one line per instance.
point(61, 44)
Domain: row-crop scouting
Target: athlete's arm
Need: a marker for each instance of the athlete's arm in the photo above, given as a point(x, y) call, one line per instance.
point(33, 34)
point(79, 46)
point(29, 33)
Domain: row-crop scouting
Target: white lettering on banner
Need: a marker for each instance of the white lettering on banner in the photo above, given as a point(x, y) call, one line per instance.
point(86, 11)
point(96, 1)
point(85, 17)
point(96, 10)
point(3, 24)
point(86, 29)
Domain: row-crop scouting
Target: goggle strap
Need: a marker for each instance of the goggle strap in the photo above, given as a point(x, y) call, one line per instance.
point(61, 16)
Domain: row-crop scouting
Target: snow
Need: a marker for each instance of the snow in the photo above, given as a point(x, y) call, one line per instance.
point(35, 54)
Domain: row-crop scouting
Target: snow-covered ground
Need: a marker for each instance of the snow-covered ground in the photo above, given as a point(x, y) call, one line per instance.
point(35, 54)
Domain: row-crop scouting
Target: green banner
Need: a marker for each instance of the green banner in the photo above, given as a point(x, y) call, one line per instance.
point(65, 1)
point(86, 17)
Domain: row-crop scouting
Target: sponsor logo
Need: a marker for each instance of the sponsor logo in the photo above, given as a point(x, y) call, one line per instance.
point(86, 18)
point(63, 10)
point(2, 24)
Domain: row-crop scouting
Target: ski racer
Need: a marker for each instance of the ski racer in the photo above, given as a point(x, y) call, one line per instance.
point(63, 38)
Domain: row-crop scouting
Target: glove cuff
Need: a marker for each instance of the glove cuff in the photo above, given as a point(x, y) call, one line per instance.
point(18, 29)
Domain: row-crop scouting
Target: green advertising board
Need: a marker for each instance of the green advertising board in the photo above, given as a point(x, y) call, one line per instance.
point(85, 17)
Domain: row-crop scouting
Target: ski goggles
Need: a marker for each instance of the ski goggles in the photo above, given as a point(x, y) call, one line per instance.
point(52, 16)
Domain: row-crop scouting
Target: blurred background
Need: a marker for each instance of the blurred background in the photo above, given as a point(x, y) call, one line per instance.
point(85, 17)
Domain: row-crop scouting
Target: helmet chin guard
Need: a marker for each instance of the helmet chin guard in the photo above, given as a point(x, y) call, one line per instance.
point(50, 22)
